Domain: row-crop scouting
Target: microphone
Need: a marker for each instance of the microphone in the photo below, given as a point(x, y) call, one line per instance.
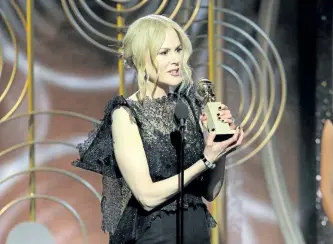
point(181, 113)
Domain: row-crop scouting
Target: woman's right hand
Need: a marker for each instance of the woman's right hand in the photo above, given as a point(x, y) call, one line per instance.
point(214, 150)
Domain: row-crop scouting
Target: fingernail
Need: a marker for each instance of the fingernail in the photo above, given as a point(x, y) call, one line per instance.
point(218, 114)
point(213, 129)
point(220, 108)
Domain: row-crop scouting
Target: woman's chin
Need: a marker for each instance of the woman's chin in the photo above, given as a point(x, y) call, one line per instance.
point(175, 81)
point(170, 82)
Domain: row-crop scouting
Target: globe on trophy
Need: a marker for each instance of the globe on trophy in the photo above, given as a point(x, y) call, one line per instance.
point(211, 107)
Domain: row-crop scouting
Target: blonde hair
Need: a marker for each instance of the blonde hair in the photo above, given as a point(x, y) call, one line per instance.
point(147, 34)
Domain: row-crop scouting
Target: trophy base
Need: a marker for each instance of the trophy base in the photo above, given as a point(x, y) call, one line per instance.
point(222, 129)
point(219, 138)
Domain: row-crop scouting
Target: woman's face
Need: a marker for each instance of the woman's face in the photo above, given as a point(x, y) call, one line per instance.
point(169, 58)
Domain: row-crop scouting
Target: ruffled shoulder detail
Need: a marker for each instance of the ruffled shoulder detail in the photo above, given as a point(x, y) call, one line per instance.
point(96, 154)
point(97, 148)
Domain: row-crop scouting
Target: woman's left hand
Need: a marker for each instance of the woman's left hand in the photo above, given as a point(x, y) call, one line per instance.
point(224, 114)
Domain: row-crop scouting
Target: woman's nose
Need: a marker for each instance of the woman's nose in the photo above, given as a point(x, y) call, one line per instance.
point(175, 58)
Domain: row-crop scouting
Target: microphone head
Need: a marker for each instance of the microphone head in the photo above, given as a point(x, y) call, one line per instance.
point(181, 111)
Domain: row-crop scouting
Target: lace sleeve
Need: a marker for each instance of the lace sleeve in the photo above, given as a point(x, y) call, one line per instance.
point(96, 154)
point(96, 151)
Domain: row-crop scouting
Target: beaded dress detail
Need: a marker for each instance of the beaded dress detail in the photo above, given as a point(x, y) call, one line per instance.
point(122, 215)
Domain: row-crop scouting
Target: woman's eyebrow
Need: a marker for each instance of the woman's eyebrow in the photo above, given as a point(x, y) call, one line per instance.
point(167, 48)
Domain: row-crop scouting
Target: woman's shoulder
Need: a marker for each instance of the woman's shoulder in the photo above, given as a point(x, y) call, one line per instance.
point(134, 97)
point(121, 108)
point(120, 102)
point(193, 96)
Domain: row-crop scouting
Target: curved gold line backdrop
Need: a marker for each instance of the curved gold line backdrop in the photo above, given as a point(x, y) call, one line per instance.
point(253, 112)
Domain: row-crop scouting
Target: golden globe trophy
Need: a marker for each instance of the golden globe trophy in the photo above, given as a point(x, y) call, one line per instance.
point(211, 108)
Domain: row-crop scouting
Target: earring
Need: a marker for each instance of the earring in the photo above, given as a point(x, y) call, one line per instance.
point(126, 65)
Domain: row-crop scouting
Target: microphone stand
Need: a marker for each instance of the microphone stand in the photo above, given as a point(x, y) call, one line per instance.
point(181, 113)
point(181, 169)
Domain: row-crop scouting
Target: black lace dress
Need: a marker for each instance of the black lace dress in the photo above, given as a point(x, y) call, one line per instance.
point(126, 221)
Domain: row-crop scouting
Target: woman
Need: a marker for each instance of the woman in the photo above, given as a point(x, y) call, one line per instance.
point(135, 150)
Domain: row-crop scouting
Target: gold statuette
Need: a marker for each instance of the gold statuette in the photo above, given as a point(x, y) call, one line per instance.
point(205, 90)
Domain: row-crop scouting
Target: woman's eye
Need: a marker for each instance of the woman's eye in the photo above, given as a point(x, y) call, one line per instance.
point(164, 53)
point(179, 50)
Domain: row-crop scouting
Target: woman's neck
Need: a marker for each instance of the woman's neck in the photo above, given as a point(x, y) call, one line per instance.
point(156, 91)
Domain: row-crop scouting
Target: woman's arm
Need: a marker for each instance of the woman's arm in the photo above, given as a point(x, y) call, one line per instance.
point(213, 180)
point(132, 162)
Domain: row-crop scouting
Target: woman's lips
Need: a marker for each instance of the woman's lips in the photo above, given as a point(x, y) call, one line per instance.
point(174, 72)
